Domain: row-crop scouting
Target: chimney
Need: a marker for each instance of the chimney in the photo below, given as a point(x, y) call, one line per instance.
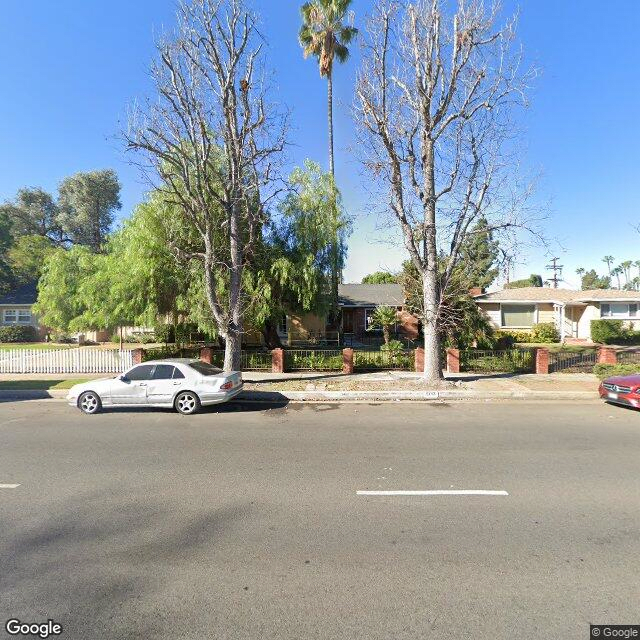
point(476, 291)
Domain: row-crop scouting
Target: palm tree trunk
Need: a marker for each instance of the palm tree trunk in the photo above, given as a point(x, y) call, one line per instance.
point(334, 248)
point(330, 115)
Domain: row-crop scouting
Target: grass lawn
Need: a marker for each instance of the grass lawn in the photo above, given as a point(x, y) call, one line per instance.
point(44, 385)
point(5, 346)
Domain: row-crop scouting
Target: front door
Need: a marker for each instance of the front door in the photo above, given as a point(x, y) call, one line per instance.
point(347, 320)
point(132, 387)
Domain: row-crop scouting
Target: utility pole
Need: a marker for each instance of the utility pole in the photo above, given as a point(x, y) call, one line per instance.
point(557, 272)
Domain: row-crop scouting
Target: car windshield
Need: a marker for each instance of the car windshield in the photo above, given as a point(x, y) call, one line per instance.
point(205, 368)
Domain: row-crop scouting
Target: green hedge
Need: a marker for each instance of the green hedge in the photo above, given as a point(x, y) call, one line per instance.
point(613, 332)
point(516, 336)
point(18, 333)
point(605, 370)
point(545, 332)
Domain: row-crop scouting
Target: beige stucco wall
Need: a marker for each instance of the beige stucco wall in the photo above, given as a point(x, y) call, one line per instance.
point(492, 311)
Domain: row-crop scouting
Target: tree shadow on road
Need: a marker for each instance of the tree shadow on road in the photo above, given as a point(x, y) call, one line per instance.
point(101, 564)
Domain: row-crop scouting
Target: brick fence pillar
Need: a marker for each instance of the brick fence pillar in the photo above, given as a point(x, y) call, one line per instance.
point(607, 355)
point(453, 361)
point(419, 360)
point(138, 355)
point(542, 360)
point(206, 354)
point(277, 361)
point(347, 361)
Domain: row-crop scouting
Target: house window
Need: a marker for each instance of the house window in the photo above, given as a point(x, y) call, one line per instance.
point(368, 318)
point(618, 310)
point(519, 316)
point(24, 316)
point(10, 316)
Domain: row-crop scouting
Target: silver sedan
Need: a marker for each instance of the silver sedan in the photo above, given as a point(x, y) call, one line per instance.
point(181, 383)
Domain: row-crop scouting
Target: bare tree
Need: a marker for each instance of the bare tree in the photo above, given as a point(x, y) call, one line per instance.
point(215, 143)
point(433, 102)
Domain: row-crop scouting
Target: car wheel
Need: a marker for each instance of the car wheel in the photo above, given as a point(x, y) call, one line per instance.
point(89, 402)
point(187, 403)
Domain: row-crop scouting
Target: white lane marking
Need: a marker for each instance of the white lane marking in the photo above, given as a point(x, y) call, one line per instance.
point(9, 486)
point(436, 492)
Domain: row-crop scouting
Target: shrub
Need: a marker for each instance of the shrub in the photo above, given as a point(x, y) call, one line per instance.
point(18, 333)
point(394, 346)
point(504, 342)
point(164, 333)
point(545, 332)
point(518, 336)
point(141, 338)
point(605, 370)
point(608, 331)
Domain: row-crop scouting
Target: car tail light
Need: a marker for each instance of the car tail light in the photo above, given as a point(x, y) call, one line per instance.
point(226, 386)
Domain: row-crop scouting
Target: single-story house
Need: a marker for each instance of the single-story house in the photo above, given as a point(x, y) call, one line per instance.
point(15, 308)
point(356, 302)
point(571, 311)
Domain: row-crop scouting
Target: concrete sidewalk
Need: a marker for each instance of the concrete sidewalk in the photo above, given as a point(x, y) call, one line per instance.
point(378, 386)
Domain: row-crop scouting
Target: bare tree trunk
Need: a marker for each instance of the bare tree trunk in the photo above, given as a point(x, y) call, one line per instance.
point(432, 369)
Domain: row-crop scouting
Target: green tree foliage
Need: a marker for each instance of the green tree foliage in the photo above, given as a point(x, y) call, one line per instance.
point(138, 278)
point(295, 266)
point(34, 212)
point(87, 205)
point(6, 241)
point(534, 280)
point(462, 323)
point(384, 318)
point(591, 280)
point(479, 256)
point(60, 304)
point(380, 277)
point(27, 257)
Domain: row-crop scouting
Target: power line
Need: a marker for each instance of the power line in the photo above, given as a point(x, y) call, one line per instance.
point(557, 272)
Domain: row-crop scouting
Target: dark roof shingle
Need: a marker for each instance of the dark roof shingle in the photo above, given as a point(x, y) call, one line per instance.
point(370, 295)
point(26, 294)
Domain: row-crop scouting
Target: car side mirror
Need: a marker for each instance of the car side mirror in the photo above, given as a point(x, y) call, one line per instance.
point(124, 378)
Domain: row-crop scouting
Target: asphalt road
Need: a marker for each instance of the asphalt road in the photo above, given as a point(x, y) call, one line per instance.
point(245, 522)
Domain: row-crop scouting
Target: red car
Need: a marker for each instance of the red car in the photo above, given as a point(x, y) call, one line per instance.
point(621, 390)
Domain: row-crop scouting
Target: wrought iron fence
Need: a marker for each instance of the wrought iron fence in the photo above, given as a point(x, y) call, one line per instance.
point(370, 360)
point(171, 351)
point(256, 360)
point(628, 357)
point(313, 360)
point(572, 361)
point(503, 361)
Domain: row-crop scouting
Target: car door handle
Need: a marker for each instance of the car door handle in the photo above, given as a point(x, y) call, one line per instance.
point(142, 384)
point(177, 383)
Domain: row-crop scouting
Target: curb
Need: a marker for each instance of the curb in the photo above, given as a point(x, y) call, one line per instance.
point(322, 396)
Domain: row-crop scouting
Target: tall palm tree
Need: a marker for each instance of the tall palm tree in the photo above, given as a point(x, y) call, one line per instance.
point(609, 261)
point(617, 272)
point(325, 33)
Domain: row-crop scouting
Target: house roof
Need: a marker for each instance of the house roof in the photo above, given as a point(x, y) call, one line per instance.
point(370, 295)
point(562, 296)
point(26, 294)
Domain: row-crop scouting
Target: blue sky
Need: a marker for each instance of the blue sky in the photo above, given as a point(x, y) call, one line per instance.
point(71, 67)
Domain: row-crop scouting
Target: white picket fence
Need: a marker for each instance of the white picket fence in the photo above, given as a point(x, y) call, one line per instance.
point(74, 360)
